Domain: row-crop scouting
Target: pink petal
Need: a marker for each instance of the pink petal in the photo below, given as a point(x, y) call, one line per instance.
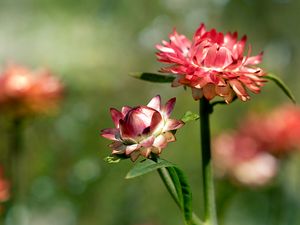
point(253, 60)
point(148, 142)
point(169, 107)
point(126, 131)
point(209, 61)
point(155, 121)
point(223, 58)
point(116, 115)
point(239, 90)
point(110, 133)
point(155, 103)
point(130, 148)
point(125, 110)
point(197, 93)
point(160, 142)
point(173, 124)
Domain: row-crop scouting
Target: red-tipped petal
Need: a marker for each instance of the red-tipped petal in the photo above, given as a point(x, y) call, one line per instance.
point(169, 106)
point(155, 103)
point(116, 115)
point(239, 90)
point(253, 60)
point(155, 121)
point(148, 142)
point(110, 133)
point(125, 110)
point(173, 124)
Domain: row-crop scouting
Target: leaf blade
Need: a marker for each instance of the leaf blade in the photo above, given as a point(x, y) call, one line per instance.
point(189, 116)
point(153, 77)
point(281, 85)
point(145, 167)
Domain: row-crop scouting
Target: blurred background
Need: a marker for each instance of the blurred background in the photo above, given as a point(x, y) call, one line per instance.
point(92, 45)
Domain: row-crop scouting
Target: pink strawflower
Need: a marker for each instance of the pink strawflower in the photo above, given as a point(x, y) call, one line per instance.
point(212, 64)
point(142, 130)
point(241, 158)
point(251, 154)
point(24, 92)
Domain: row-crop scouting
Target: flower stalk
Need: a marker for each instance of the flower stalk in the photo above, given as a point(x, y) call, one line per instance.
point(15, 159)
point(210, 215)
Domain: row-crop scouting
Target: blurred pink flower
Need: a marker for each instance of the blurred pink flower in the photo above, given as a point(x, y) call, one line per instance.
point(24, 92)
point(143, 129)
point(251, 154)
point(240, 158)
point(212, 64)
point(4, 187)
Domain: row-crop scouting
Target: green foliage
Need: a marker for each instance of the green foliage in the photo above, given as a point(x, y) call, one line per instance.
point(178, 187)
point(189, 116)
point(147, 166)
point(153, 77)
point(281, 85)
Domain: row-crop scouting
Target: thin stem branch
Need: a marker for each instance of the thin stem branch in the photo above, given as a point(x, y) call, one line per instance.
point(164, 175)
point(15, 154)
point(207, 173)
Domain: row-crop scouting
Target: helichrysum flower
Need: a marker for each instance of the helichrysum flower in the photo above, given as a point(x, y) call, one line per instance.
point(242, 159)
point(24, 92)
point(142, 130)
point(212, 64)
point(251, 154)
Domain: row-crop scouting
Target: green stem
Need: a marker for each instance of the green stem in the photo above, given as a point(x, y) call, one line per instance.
point(15, 155)
point(164, 175)
point(210, 214)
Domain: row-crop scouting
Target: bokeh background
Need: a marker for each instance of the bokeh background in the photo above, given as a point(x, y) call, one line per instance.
point(92, 45)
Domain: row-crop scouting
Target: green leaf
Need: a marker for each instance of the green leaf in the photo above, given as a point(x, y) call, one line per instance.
point(115, 158)
point(281, 85)
point(178, 188)
point(183, 192)
point(153, 77)
point(146, 166)
point(189, 116)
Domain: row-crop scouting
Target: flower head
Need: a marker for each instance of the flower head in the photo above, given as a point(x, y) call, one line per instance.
point(23, 92)
point(212, 64)
point(142, 130)
point(252, 153)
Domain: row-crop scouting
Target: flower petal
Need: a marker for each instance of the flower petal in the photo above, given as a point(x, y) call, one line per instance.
point(173, 124)
point(239, 90)
point(155, 103)
point(169, 107)
point(130, 148)
point(116, 115)
point(148, 142)
point(160, 142)
point(209, 91)
point(156, 121)
point(197, 93)
point(110, 133)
